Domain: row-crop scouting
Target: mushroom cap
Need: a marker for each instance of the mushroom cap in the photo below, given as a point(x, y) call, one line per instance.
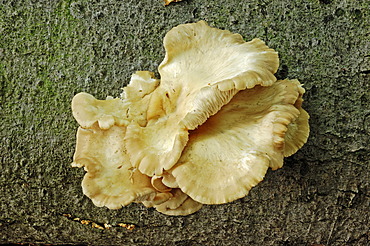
point(167, 140)
point(299, 129)
point(110, 180)
point(178, 204)
point(199, 55)
point(158, 198)
point(142, 83)
point(133, 106)
point(137, 94)
point(199, 58)
point(169, 180)
point(297, 133)
point(157, 183)
point(231, 152)
point(203, 69)
point(163, 193)
point(87, 110)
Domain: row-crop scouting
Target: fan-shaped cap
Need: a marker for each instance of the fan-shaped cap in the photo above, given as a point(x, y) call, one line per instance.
point(297, 133)
point(168, 139)
point(163, 193)
point(137, 94)
point(169, 180)
point(203, 69)
point(231, 152)
point(157, 183)
point(153, 200)
point(133, 106)
point(87, 110)
point(141, 84)
point(110, 180)
point(179, 204)
point(299, 129)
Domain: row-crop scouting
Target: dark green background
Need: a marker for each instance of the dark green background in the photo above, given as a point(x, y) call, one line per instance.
point(51, 50)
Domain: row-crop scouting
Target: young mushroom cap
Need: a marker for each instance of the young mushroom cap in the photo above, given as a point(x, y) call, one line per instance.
point(169, 180)
point(110, 180)
point(142, 83)
point(87, 110)
point(137, 94)
point(154, 200)
point(157, 183)
point(179, 204)
point(162, 195)
point(203, 69)
point(231, 152)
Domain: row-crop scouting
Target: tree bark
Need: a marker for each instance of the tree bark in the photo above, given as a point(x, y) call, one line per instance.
point(51, 50)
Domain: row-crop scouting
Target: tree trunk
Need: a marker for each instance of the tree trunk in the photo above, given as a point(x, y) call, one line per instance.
point(51, 50)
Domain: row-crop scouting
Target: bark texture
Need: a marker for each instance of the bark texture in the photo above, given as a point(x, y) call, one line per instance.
point(51, 50)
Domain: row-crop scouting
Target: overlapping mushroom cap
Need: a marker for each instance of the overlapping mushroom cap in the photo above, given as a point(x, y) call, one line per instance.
point(231, 152)
point(110, 181)
point(203, 69)
point(205, 134)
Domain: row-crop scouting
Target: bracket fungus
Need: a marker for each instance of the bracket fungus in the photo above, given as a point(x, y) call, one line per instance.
point(205, 133)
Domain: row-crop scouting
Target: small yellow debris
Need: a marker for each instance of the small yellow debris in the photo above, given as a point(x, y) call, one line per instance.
point(94, 225)
point(107, 226)
point(85, 222)
point(100, 226)
point(127, 226)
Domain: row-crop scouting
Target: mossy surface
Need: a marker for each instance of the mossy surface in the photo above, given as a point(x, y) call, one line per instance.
point(51, 50)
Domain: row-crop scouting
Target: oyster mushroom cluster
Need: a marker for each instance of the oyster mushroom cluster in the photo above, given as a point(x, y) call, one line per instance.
point(206, 133)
